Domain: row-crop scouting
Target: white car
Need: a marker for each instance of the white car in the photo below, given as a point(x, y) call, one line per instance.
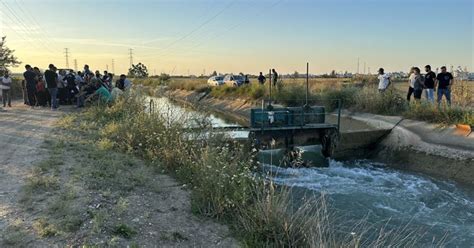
point(234, 81)
point(216, 81)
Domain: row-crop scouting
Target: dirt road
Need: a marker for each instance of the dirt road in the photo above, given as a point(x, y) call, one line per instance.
point(22, 133)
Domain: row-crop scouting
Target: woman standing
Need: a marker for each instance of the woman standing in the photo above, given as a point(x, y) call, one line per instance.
point(418, 84)
point(411, 83)
point(6, 83)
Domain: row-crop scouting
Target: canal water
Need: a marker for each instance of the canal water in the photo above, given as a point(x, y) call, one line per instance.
point(383, 197)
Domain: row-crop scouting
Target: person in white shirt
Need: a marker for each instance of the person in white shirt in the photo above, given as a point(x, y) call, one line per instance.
point(5, 83)
point(411, 83)
point(384, 80)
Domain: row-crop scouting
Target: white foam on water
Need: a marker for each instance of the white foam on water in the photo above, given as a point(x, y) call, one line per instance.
point(365, 187)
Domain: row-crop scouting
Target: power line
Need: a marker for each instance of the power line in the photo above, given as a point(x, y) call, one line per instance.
point(25, 27)
point(222, 33)
point(196, 29)
point(31, 17)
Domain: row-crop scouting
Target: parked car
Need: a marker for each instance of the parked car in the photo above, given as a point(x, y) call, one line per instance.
point(235, 81)
point(216, 81)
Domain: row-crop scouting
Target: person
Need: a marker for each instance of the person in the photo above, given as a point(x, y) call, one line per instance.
point(86, 70)
point(418, 84)
point(6, 82)
point(42, 94)
point(261, 78)
point(105, 78)
point(445, 82)
point(62, 89)
point(71, 89)
point(274, 77)
point(51, 78)
point(123, 83)
point(120, 84)
point(411, 83)
point(430, 78)
point(384, 80)
point(102, 92)
point(30, 78)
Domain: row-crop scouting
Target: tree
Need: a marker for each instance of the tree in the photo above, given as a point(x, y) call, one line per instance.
point(138, 71)
point(214, 74)
point(7, 59)
point(333, 74)
point(296, 74)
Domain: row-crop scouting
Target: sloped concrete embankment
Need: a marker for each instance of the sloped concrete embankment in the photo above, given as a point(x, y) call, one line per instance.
point(445, 152)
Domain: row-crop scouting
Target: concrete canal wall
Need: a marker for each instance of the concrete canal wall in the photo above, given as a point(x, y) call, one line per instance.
point(412, 145)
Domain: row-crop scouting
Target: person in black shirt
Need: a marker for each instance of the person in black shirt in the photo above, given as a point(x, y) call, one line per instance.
point(262, 78)
point(274, 77)
point(30, 78)
point(445, 81)
point(430, 78)
point(51, 78)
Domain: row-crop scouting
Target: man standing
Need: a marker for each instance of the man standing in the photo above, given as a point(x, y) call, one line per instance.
point(445, 82)
point(384, 80)
point(6, 82)
point(51, 78)
point(261, 78)
point(430, 78)
point(274, 77)
point(30, 78)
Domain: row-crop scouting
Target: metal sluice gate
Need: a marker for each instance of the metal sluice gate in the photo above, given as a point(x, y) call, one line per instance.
point(288, 127)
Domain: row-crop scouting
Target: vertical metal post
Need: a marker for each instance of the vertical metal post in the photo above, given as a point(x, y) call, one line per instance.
point(270, 75)
point(339, 106)
point(307, 83)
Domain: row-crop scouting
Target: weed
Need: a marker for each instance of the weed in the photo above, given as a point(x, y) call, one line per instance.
point(124, 231)
point(44, 228)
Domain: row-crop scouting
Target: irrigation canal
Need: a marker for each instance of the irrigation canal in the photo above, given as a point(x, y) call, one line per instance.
point(369, 191)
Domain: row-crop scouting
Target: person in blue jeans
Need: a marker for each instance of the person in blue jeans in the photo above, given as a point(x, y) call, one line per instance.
point(445, 82)
point(430, 78)
point(51, 78)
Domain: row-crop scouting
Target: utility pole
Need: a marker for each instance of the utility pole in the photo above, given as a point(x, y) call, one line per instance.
point(66, 52)
point(113, 65)
point(75, 64)
point(131, 57)
point(358, 65)
point(307, 83)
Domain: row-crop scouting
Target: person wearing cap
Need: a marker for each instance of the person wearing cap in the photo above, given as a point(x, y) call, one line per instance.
point(445, 82)
point(384, 80)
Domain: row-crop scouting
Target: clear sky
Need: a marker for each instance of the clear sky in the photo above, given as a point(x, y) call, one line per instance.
point(177, 36)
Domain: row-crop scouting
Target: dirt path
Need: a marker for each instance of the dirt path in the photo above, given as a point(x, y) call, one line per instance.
point(156, 207)
point(22, 133)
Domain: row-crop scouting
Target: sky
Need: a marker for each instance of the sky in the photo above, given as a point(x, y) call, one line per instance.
point(182, 37)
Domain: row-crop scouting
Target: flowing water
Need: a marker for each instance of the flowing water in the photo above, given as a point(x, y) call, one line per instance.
point(362, 189)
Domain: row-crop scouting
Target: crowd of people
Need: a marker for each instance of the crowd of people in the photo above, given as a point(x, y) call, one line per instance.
point(429, 83)
point(65, 87)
